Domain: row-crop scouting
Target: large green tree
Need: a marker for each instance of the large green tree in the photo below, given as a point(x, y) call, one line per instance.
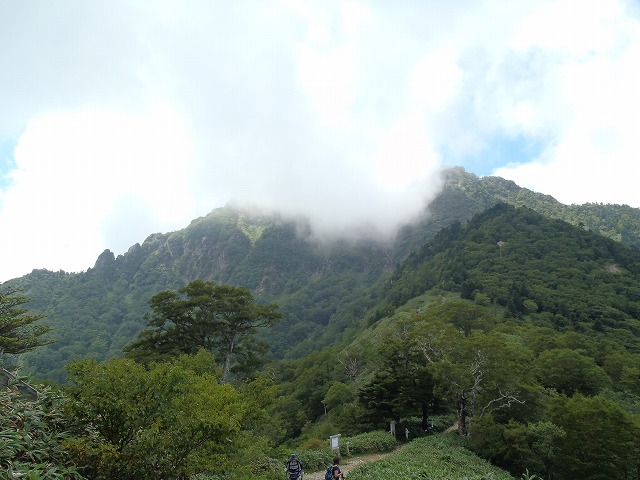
point(19, 331)
point(401, 385)
point(219, 318)
point(167, 420)
point(601, 439)
point(481, 373)
point(570, 372)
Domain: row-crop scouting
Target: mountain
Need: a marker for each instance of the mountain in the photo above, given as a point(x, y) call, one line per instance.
point(326, 289)
point(484, 316)
point(557, 275)
point(527, 327)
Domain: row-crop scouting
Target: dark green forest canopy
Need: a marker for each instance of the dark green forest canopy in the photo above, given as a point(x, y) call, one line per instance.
point(560, 275)
point(219, 318)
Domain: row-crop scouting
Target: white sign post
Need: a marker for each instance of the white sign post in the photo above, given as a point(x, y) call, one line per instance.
point(334, 443)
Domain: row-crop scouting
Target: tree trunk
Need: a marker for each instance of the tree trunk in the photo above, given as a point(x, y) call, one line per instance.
point(226, 365)
point(425, 416)
point(461, 406)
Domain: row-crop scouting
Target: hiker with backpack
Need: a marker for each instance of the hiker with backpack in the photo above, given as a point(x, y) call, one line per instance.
point(333, 471)
point(294, 467)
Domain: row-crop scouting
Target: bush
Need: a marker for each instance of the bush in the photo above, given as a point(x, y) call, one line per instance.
point(315, 460)
point(266, 465)
point(436, 456)
point(314, 444)
point(442, 422)
point(32, 436)
point(371, 442)
point(414, 425)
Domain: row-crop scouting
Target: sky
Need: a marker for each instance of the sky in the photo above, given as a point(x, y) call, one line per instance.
point(125, 118)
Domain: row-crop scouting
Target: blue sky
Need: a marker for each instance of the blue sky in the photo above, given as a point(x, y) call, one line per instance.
point(498, 150)
point(131, 117)
point(6, 161)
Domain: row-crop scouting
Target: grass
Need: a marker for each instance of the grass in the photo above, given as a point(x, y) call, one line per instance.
point(439, 457)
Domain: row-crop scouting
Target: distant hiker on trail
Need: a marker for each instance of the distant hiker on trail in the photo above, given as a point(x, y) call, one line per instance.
point(337, 473)
point(294, 467)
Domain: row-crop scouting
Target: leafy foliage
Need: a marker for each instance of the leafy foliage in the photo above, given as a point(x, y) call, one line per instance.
point(576, 280)
point(431, 458)
point(33, 432)
point(168, 421)
point(601, 439)
point(218, 318)
point(370, 442)
point(18, 331)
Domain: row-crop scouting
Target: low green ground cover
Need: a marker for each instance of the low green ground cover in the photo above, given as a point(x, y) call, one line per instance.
point(439, 457)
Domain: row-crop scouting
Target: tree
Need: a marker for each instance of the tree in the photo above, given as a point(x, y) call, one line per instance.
point(337, 395)
point(601, 438)
point(219, 318)
point(464, 315)
point(518, 447)
point(18, 329)
point(170, 420)
point(569, 372)
point(402, 385)
point(482, 373)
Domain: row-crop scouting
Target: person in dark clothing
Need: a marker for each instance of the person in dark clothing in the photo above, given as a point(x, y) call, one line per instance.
point(337, 472)
point(294, 467)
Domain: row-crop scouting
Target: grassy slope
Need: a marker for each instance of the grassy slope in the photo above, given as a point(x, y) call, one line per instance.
point(439, 457)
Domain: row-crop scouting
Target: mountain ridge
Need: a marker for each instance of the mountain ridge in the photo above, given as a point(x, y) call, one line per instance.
point(324, 289)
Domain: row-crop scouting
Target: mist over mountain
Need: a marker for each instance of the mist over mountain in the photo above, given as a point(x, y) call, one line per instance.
point(325, 285)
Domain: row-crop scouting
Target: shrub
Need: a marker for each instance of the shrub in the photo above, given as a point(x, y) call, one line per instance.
point(433, 457)
point(442, 422)
point(315, 460)
point(314, 444)
point(266, 465)
point(32, 436)
point(371, 442)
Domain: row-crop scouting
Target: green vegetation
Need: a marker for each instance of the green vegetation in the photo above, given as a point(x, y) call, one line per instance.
point(559, 276)
point(168, 421)
point(19, 331)
point(434, 458)
point(518, 332)
point(33, 432)
point(370, 442)
point(218, 318)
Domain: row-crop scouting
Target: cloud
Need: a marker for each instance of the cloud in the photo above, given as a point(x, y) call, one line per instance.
point(138, 116)
point(594, 145)
point(82, 179)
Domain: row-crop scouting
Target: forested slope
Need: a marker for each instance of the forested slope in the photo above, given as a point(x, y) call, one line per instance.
point(562, 276)
point(520, 328)
point(323, 288)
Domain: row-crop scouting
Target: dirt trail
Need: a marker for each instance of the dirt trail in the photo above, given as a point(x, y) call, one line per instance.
point(347, 464)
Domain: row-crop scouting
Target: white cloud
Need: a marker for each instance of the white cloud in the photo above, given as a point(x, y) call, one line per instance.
point(404, 154)
point(595, 146)
point(138, 116)
point(73, 170)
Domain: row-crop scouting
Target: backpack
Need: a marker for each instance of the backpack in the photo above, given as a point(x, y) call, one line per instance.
point(294, 468)
point(329, 473)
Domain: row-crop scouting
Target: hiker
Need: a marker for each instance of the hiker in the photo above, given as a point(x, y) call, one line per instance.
point(294, 467)
point(337, 473)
